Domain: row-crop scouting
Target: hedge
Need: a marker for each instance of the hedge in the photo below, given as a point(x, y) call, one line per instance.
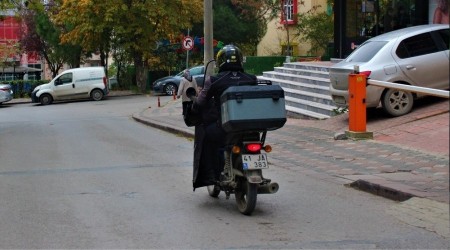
point(23, 88)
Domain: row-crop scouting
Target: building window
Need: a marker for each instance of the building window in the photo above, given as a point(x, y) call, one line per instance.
point(289, 11)
point(293, 49)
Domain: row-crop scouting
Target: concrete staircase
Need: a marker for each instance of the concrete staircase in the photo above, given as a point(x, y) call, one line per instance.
point(306, 88)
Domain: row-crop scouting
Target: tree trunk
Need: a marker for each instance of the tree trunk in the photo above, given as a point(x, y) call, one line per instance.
point(141, 72)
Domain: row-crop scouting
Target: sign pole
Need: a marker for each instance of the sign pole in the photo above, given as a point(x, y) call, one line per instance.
point(187, 55)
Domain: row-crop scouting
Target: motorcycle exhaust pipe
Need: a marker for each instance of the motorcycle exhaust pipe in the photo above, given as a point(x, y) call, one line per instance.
point(270, 188)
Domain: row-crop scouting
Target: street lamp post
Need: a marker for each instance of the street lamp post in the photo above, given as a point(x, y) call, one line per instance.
point(208, 30)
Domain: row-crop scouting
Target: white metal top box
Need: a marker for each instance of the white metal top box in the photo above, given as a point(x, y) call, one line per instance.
point(255, 108)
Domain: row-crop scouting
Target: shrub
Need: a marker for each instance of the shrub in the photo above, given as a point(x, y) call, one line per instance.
point(23, 88)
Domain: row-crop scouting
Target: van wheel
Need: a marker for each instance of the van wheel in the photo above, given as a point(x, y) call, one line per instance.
point(45, 99)
point(170, 88)
point(397, 102)
point(96, 95)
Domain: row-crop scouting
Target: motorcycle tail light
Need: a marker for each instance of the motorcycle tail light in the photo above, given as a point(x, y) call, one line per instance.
point(268, 148)
point(253, 147)
point(236, 150)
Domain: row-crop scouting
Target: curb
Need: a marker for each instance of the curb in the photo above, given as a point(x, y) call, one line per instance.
point(163, 126)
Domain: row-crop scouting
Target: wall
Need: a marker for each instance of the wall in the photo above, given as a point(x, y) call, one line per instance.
point(276, 36)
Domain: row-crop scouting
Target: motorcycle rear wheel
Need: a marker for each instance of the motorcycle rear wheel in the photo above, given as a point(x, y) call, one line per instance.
point(245, 195)
point(213, 191)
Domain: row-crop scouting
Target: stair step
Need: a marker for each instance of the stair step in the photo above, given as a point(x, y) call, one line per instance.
point(309, 96)
point(305, 72)
point(306, 88)
point(320, 81)
point(318, 66)
point(314, 104)
point(299, 85)
point(306, 113)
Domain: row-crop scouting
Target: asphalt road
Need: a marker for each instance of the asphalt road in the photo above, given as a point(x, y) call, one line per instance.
point(85, 175)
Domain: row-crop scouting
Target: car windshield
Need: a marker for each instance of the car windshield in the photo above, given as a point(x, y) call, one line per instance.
point(366, 51)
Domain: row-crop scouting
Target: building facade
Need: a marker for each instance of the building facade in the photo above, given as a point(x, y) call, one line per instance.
point(281, 37)
point(355, 21)
point(13, 64)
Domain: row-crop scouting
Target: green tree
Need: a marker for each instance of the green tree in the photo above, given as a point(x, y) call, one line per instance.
point(139, 25)
point(257, 14)
point(41, 36)
point(317, 28)
point(241, 22)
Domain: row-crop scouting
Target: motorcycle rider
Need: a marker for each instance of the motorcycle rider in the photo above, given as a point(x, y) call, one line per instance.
point(209, 136)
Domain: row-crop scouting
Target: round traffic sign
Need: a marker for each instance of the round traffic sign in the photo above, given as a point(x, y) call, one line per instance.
point(188, 43)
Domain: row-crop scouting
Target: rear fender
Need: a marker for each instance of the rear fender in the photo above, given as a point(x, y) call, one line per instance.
point(254, 176)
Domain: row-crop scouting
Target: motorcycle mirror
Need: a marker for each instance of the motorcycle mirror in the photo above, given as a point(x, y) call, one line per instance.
point(191, 93)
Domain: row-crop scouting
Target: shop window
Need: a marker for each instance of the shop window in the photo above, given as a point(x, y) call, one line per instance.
point(289, 12)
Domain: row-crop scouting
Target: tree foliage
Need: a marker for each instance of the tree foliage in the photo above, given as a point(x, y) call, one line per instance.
point(317, 28)
point(242, 22)
point(8, 50)
point(257, 14)
point(64, 30)
point(133, 25)
point(41, 35)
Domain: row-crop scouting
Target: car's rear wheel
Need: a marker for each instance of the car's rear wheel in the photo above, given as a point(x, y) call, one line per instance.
point(397, 102)
point(45, 99)
point(170, 88)
point(96, 95)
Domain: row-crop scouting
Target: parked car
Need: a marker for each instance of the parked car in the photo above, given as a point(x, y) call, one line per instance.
point(417, 55)
point(79, 83)
point(6, 93)
point(169, 84)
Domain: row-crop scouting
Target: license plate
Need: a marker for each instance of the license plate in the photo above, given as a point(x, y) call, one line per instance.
point(251, 162)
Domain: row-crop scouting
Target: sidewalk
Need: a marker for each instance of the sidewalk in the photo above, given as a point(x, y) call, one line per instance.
point(408, 157)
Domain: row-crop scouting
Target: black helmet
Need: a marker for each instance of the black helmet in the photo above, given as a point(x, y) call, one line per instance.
point(229, 58)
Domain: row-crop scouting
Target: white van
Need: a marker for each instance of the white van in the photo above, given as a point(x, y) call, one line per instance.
point(78, 83)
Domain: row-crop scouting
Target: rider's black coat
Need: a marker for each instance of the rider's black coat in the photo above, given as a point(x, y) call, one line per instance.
point(209, 136)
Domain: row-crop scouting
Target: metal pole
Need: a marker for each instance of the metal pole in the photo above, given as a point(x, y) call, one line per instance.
point(208, 35)
point(187, 55)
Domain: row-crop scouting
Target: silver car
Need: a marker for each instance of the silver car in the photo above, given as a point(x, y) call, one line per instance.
point(417, 55)
point(6, 93)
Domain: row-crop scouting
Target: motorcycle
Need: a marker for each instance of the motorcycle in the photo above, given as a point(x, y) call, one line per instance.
point(244, 159)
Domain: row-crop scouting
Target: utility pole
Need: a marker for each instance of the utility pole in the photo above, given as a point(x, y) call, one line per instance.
point(208, 35)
